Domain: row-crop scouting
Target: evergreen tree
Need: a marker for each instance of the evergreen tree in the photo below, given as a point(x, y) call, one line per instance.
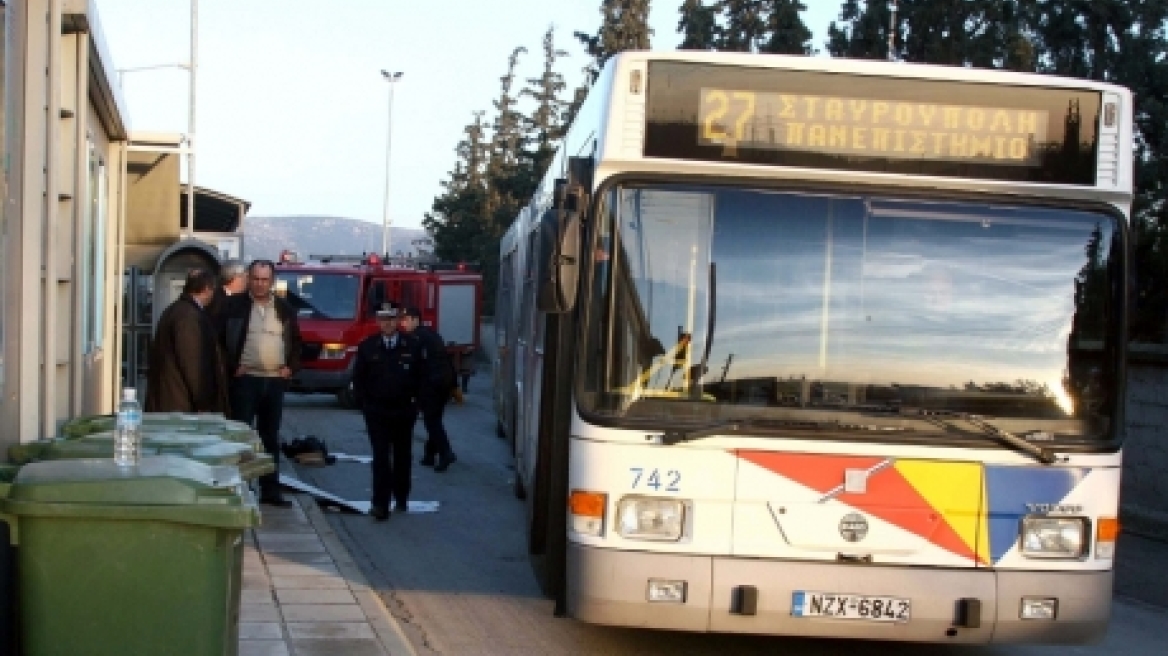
point(862, 33)
point(505, 150)
point(699, 25)
point(498, 169)
point(786, 32)
point(456, 220)
point(546, 123)
point(745, 25)
point(624, 25)
point(507, 134)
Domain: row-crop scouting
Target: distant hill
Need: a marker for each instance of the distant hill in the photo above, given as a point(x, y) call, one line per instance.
point(266, 236)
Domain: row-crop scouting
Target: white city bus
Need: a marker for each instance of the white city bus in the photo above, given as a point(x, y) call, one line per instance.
point(816, 347)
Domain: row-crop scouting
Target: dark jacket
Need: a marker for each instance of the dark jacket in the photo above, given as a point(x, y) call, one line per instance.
point(216, 306)
point(388, 380)
point(440, 374)
point(186, 371)
point(233, 323)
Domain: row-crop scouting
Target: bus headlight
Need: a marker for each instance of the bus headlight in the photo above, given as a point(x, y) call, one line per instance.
point(1054, 537)
point(332, 352)
point(651, 518)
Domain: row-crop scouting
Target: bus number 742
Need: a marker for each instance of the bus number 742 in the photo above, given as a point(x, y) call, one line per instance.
point(670, 481)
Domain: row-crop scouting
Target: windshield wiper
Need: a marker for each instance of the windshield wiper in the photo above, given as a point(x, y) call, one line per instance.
point(764, 428)
point(1041, 454)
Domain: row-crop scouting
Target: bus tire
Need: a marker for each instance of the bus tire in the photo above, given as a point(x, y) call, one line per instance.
point(517, 487)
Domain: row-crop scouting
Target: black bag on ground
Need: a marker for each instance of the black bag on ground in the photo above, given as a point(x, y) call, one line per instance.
point(307, 450)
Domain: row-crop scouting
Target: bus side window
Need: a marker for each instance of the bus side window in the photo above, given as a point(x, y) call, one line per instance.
point(375, 297)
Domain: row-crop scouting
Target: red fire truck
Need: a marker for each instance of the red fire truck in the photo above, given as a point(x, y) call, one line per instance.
point(335, 298)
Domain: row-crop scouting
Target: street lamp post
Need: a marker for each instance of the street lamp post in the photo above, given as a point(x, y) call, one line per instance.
point(190, 231)
point(392, 78)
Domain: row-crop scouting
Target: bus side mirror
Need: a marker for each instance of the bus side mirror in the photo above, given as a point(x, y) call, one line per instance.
point(560, 258)
point(560, 239)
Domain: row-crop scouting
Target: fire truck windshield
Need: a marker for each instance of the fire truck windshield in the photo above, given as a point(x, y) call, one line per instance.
point(320, 295)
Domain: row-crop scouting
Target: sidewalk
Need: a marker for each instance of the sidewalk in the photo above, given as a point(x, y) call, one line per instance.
point(303, 594)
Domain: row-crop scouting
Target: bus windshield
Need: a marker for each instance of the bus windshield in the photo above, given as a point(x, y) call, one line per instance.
point(717, 303)
point(316, 295)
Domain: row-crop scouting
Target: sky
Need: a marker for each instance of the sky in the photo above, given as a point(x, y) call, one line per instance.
point(291, 108)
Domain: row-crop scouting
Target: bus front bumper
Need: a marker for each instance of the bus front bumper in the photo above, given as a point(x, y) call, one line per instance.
point(607, 586)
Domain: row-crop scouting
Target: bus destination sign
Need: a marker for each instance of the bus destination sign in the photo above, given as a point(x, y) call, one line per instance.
point(870, 126)
point(880, 123)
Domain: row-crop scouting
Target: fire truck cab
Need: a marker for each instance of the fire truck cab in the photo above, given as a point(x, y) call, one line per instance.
point(336, 297)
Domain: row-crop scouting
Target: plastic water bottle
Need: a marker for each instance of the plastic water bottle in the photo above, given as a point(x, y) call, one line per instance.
point(128, 431)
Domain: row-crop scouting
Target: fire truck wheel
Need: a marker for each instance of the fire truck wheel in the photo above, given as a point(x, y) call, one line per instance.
point(345, 397)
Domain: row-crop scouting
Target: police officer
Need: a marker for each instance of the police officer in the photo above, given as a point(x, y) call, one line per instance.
point(387, 376)
point(435, 392)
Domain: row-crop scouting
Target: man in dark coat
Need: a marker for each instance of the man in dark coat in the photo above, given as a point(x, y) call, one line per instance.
point(185, 372)
point(387, 375)
point(435, 392)
point(232, 281)
point(261, 344)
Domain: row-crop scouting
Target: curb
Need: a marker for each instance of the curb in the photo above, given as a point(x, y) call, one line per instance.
point(389, 632)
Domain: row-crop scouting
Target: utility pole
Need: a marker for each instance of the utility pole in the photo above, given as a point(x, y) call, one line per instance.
point(194, 63)
point(392, 79)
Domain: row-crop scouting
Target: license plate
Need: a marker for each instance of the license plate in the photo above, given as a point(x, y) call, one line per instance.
point(850, 607)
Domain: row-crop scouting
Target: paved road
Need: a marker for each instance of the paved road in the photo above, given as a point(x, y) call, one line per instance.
point(460, 583)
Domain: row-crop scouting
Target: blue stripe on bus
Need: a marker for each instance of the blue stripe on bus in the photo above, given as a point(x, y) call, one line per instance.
point(1010, 489)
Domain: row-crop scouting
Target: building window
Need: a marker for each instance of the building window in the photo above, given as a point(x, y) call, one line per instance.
point(93, 256)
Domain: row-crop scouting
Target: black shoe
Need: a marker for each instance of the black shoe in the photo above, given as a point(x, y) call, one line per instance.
point(427, 460)
point(276, 500)
point(401, 507)
point(445, 461)
point(379, 514)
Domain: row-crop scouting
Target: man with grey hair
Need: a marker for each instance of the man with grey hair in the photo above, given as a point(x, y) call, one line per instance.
point(232, 281)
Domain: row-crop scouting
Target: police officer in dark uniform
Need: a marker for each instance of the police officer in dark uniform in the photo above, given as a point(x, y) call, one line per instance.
point(387, 377)
point(435, 392)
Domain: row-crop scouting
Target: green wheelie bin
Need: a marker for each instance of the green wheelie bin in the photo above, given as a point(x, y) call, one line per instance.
point(116, 560)
point(8, 543)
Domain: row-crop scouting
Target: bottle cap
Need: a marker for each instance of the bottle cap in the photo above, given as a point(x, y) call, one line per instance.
point(129, 394)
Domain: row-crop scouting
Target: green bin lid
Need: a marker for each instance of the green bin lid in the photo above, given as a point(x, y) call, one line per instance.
point(154, 481)
point(167, 488)
point(222, 453)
